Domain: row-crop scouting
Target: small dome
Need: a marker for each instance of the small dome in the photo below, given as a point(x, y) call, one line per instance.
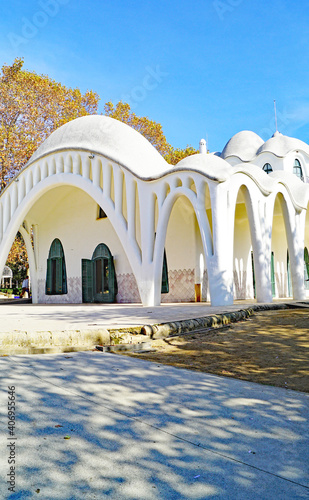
point(243, 145)
point(280, 145)
point(209, 165)
point(109, 137)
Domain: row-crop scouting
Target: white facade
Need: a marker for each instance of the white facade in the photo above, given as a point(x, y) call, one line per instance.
point(213, 214)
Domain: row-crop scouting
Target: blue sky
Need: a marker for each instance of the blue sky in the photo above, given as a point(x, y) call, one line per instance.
point(202, 68)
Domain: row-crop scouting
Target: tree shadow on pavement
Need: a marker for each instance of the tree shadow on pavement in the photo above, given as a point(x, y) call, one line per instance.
point(96, 425)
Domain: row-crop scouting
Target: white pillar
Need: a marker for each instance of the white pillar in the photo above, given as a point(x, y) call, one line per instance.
point(149, 288)
point(260, 226)
point(296, 243)
point(220, 269)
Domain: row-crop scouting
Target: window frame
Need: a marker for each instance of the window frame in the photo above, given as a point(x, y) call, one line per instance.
point(268, 168)
point(297, 169)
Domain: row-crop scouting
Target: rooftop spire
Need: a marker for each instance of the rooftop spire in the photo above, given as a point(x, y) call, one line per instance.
point(203, 148)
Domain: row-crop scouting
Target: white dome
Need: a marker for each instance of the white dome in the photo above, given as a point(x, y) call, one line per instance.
point(109, 137)
point(280, 145)
point(208, 164)
point(243, 145)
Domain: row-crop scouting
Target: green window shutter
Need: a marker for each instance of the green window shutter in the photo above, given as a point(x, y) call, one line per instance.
point(87, 280)
point(48, 288)
point(253, 275)
point(112, 281)
point(306, 268)
point(115, 280)
point(289, 275)
point(104, 279)
point(164, 285)
point(56, 277)
point(58, 285)
point(272, 269)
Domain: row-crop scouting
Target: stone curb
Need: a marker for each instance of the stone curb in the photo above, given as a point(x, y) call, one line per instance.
point(139, 347)
point(174, 328)
point(50, 339)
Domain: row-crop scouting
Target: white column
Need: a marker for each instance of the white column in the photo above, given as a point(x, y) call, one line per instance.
point(148, 282)
point(296, 243)
point(220, 270)
point(260, 224)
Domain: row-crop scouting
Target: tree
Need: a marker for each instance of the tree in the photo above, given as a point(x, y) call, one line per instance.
point(149, 129)
point(18, 259)
point(32, 106)
point(175, 155)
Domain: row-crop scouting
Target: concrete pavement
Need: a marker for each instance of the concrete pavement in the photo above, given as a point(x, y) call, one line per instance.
point(36, 328)
point(93, 425)
point(49, 317)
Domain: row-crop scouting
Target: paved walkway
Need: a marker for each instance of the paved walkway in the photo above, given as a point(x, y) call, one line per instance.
point(137, 430)
point(42, 317)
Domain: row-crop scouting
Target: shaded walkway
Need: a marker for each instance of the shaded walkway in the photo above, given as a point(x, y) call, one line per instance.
point(141, 430)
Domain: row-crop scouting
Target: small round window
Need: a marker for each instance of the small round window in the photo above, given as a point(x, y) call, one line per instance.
point(267, 168)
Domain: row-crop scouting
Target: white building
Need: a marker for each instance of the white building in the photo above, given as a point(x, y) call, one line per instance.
point(102, 213)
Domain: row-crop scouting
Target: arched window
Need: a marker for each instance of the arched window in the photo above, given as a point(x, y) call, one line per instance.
point(56, 276)
point(267, 168)
point(297, 170)
point(99, 282)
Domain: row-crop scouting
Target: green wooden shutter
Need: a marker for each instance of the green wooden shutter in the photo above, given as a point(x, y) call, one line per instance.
point(112, 281)
point(289, 275)
point(115, 280)
point(253, 275)
point(58, 285)
point(48, 287)
point(164, 285)
point(272, 269)
point(87, 280)
point(56, 277)
point(306, 268)
point(109, 280)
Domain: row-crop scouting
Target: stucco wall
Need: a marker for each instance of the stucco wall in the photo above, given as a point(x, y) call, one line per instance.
point(71, 216)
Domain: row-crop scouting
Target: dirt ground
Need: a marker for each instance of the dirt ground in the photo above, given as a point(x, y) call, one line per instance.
point(272, 347)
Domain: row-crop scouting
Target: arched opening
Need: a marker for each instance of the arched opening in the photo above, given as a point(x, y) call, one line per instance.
point(243, 256)
point(70, 214)
point(279, 272)
point(185, 255)
point(18, 263)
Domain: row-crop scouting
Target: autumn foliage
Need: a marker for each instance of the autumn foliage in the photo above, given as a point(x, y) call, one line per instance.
point(32, 106)
point(18, 260)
